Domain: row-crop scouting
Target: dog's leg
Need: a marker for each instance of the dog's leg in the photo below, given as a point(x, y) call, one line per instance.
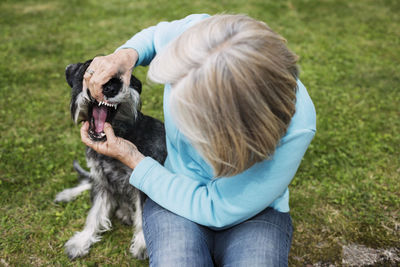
point(71, 193)
point(97, 221)
point(138, 244)
point(82, 172)
point(125, 213)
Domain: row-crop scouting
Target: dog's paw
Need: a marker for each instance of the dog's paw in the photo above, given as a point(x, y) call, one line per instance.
point(138, 246)
point(65, 196)
point(79, 245)
point(71, 193)
point(124, 215)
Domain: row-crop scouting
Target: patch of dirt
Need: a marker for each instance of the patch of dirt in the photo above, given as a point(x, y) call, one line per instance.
point(360, 255)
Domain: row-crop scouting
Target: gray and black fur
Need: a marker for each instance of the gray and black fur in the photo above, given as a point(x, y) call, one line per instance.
point(109, 178)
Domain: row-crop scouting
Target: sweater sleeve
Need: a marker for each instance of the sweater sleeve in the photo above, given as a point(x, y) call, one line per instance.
point(150, 41)
point(225, 201)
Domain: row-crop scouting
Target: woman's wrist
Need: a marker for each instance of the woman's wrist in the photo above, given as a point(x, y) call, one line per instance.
point(132, 159)
point(127, 55)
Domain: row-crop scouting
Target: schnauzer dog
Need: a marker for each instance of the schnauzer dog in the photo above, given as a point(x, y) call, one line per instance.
point(109, 178)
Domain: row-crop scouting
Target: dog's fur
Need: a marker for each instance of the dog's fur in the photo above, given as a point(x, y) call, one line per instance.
point(109, 178)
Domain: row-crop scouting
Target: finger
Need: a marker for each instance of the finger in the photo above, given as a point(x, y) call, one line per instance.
point(91, 76)
point(84, 85)
point(97, 146)
point(86, 80)
point(126, 78)
point(93, 67)
point(98, 80)
point(94, 86)
point(84, 134)
point(103, 74)
point(108, 130)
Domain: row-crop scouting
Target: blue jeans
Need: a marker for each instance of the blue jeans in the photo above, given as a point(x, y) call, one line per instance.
point(172, 240)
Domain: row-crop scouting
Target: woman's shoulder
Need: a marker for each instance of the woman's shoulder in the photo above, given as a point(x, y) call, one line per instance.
point(168, 31)
point(304, 118)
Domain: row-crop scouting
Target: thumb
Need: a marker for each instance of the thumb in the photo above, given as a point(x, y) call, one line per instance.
point(108, 130)
point(84, 86)
point(126, 78)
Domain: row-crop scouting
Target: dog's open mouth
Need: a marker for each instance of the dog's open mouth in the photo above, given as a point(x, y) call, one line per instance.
point(99, 114)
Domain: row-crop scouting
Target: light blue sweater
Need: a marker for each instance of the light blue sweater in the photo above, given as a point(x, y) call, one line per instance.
point(185, 185)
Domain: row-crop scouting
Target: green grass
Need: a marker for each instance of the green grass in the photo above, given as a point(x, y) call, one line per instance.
point(346, 190)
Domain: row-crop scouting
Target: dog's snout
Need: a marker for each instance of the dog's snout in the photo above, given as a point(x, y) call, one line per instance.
point(112, 87)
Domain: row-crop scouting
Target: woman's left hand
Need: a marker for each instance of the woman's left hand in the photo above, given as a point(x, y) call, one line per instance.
point(115, 147)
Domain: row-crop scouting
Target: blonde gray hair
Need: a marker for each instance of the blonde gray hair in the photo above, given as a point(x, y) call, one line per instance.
point(233, 89)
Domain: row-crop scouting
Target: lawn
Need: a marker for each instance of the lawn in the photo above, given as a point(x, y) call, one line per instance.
point(347, 190)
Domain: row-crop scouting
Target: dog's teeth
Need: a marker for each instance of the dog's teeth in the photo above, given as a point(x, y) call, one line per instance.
point(108, 104)
point(102, 134)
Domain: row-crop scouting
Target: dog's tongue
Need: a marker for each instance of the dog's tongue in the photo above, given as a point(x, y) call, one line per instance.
point(100, 116)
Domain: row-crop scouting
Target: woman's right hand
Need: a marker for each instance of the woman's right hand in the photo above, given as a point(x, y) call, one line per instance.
point(103, 68)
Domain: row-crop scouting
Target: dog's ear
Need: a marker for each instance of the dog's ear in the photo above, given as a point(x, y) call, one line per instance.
point(136, 84)
point(74, 73)
point(70, 71)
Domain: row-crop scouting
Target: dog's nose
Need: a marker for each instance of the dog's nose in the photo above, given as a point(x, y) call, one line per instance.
point(112, 87)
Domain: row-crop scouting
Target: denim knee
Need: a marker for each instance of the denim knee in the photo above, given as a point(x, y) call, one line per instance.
point(173, 240)
point(263, 240)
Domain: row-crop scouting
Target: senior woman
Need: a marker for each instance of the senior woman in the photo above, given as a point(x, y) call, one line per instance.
point(238, 122)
